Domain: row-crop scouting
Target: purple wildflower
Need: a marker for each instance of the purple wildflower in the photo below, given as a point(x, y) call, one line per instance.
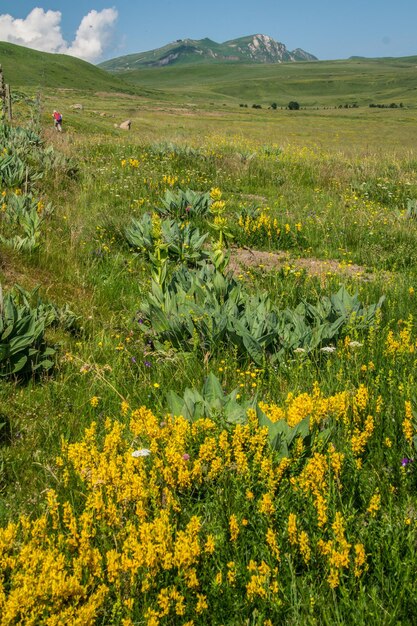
point(186, 457)
point(147, 364)
point(133, 359)
point(405, 461)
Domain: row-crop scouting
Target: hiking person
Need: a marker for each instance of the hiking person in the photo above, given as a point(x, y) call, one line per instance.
point(57, 120)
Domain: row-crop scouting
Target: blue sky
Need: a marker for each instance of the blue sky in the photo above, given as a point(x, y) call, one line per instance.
point(326, 28)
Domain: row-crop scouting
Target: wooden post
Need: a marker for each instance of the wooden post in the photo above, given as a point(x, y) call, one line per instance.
point(8, 98)
point(2, 93)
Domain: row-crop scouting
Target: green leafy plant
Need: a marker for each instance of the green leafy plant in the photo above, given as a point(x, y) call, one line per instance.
point(184, 205)
point(211, 401)
point(219, 224)
point(283, 437)
point(54, 315)
point(184, 243)
point(22, 139)
point(19, 205)
point(411, 212)
point(206, 309)
point(23, 349)
point(30, 223)
point(140, 234)
point(12, 171)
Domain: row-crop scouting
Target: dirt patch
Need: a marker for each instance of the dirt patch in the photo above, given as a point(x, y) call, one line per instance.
point(243, 258)
point(253, 198)
point(118, 94)
point(12, 272)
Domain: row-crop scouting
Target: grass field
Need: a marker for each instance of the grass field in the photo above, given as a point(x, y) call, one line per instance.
point(221, 431)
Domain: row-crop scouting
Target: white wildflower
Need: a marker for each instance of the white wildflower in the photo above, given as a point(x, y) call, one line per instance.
point(142, 452)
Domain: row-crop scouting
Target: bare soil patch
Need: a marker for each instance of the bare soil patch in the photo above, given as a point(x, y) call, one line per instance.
point(243, 258)
point(254, 198)
point(117, 94)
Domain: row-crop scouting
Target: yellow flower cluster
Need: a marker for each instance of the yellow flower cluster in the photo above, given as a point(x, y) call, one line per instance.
point(262, 580)
point(404, 343)
point(215, 194)
point(374, 504)
point(314, 405)
point(169, 180)
point(265, 226)
point(131, 162)
point(409, 429)
point(346, 407)
point(128, 537)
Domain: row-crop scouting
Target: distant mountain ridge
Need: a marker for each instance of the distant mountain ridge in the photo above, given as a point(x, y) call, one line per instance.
point(250, 49)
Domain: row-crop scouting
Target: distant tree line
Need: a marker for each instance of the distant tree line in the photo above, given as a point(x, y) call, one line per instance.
point(393, 105)
point(295, 106)
point(292, 106)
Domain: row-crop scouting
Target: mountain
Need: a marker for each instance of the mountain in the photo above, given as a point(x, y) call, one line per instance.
point(251, 49)
point(24, 67)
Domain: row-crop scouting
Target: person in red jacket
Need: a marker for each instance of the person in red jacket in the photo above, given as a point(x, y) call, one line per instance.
point(58, 120)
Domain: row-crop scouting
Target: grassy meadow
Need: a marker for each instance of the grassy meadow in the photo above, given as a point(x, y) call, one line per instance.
point(319, 83)
point(208, 407)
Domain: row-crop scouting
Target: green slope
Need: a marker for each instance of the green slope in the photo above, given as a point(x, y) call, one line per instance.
point(321, 83)
point(24, 67)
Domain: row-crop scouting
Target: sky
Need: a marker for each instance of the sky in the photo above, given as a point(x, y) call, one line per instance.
point(97, 30)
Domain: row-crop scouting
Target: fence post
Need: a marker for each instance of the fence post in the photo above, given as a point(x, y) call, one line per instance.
point(8, 98)
point(2, 93)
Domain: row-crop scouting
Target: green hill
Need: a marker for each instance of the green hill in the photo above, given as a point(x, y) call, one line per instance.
point(24, 67)
point(250, 49)
point(321, 83)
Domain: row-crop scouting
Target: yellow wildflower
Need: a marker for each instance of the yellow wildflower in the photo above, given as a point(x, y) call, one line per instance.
point(233, 527)
point(201, 603)
point(374, 504)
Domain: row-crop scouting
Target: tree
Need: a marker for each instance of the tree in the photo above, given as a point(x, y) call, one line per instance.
point(293, 106)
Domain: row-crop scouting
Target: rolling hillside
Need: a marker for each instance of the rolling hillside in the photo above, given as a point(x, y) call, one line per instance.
point(24, 67)
point(250, 49)
point(324, 83)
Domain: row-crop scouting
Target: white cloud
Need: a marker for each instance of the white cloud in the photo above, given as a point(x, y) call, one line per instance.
point(41, 30)
point(93, 34)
